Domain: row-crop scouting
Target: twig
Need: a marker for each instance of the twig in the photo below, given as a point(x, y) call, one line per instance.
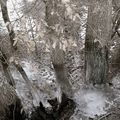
point(104, 116)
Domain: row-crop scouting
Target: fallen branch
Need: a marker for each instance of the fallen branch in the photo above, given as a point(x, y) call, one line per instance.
point(104, 116)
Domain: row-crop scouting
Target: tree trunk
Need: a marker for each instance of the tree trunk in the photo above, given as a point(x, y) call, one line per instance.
point(97, 35)
point(8, 23)
point(60, 70)
point(55, 22)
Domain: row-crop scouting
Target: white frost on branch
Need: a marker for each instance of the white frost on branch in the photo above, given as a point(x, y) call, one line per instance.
point(65, 1)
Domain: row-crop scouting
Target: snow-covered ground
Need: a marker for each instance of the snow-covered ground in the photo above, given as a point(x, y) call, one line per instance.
point(91, 102)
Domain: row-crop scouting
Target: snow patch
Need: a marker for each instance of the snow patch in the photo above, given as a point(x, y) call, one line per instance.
point(65, 1)
point(91, 102)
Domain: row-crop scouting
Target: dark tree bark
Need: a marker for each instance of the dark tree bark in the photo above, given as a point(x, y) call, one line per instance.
point(97, 36)
point(4, 59)
point(8, 23)
point(64, 112)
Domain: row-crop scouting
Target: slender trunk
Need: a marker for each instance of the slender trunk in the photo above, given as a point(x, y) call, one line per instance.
point(8, 23)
